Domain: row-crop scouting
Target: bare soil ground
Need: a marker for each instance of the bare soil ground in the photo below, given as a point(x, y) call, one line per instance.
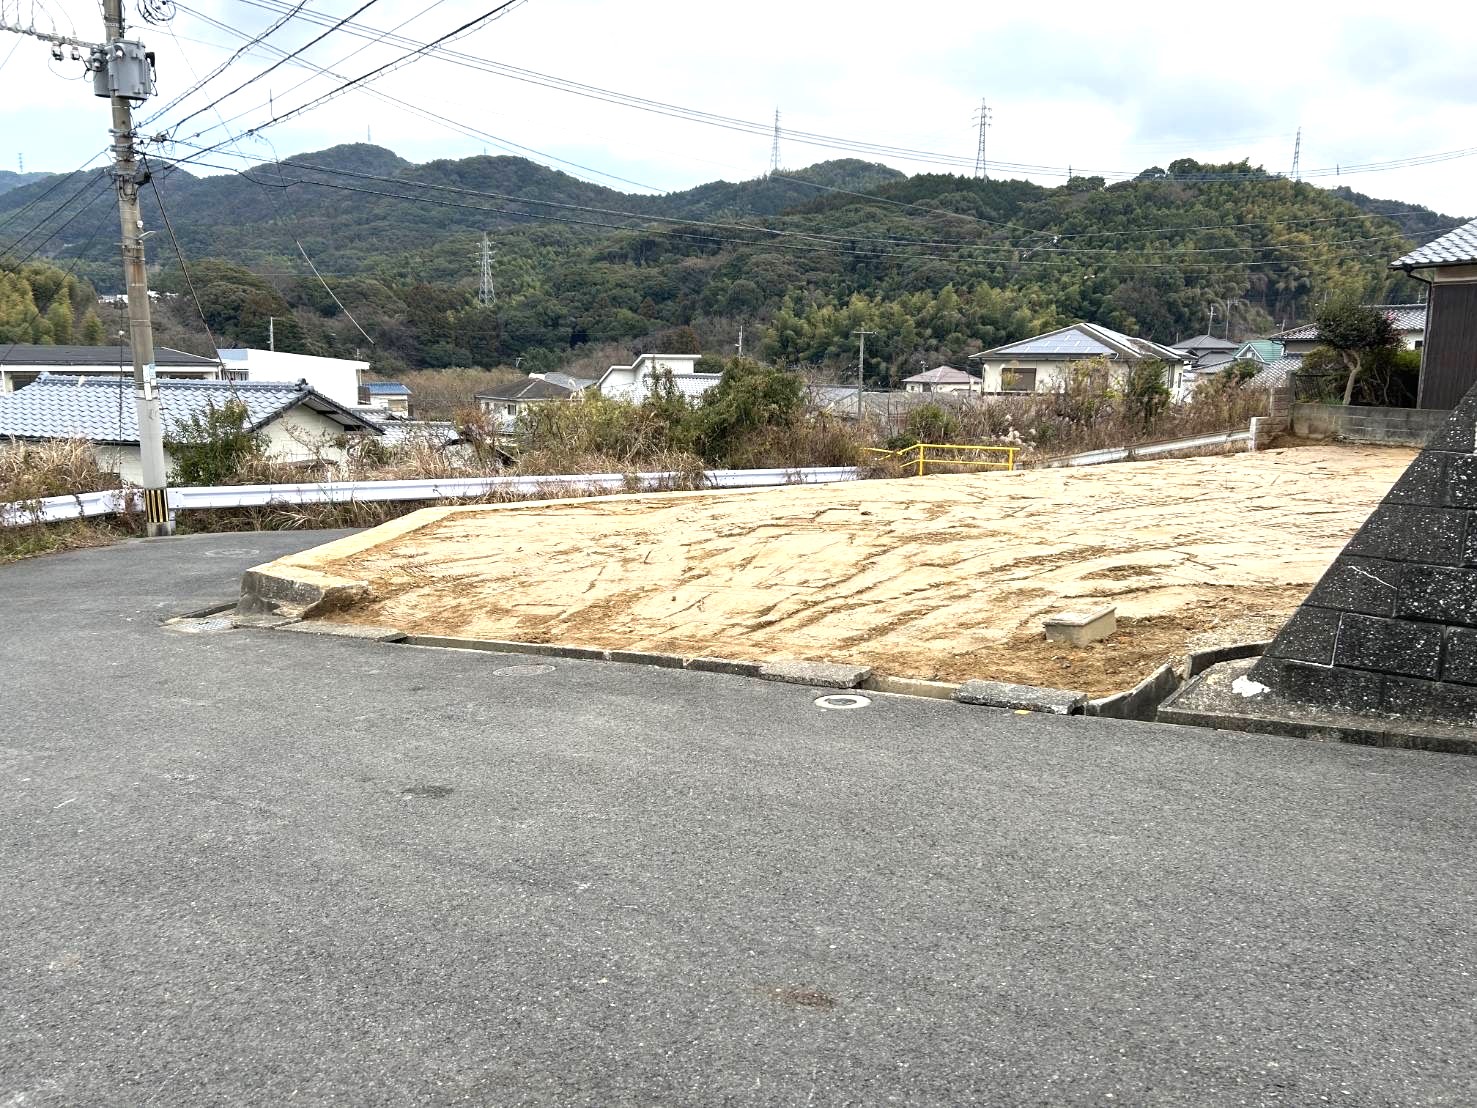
point(945, 577)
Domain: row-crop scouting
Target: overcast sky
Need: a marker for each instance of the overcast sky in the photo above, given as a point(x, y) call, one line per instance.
point(1099, 87)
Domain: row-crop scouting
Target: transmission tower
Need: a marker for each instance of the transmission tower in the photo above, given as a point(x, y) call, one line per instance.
point(774, 149)
point(487, 294)
point(1297, 154)
point(982, 117)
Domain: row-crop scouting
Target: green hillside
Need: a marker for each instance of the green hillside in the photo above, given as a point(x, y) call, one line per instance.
point(938, 265)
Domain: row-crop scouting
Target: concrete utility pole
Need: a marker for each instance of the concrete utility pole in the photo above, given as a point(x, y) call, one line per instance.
point(272, 333)
point(122, 71)
point(740, 343)
point(861, 369)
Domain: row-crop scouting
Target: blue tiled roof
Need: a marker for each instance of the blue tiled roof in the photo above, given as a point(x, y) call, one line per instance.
point(386, 388)
point(102, 408)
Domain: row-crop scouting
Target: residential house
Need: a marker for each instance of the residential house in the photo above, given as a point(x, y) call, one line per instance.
point(392, 396)
point(635, 381)
point(1449, 357)
point(507, 403)
point(297, 423)
point(22, 363)
point(1041, 364)
point(1409, 321)
point(336, 378)
point(943, 379)
point(1202, 345)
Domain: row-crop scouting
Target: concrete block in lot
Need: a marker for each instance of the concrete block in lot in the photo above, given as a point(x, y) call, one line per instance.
point(1079, 628)
point(1389, 645)
point(1028, 698)
point(825, 675)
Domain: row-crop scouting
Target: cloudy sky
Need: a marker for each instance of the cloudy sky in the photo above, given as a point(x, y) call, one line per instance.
point(1101, 88)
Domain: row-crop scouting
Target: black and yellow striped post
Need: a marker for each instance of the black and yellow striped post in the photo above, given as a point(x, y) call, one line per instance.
point(156, 510)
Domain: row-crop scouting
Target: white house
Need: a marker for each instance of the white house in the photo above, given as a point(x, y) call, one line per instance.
point(335, 378)
point(507, 403)
point(942, 379)
point(21, 363)
point(634, 382)
point(298, 423)
point(389, 395)
point(1041, 364)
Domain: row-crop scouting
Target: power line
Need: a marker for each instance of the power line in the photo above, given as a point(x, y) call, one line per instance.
point(815, 139)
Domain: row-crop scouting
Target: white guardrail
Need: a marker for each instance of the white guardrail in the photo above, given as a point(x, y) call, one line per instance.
point(54, 509)
point(1125, 453)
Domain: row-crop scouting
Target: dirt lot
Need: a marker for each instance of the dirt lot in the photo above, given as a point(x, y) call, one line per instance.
point(943, 577)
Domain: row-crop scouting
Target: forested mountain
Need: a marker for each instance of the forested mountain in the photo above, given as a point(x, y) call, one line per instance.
point(939, 266)
point(9, 179)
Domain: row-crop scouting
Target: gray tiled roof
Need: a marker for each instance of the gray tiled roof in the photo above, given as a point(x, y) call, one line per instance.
point(1405, 317)
point(102, 409)
point(1457, 247)
point(29, 354)
point(942, 375)
point(530, 388)
point(1275, 374)
point(1083, 340)
point(1201, 344)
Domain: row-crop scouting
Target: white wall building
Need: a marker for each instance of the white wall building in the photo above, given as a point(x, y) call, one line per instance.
point(1043, 363)
point(634, 382)
point(21, 363)
point(335, 378)
point(943, 379)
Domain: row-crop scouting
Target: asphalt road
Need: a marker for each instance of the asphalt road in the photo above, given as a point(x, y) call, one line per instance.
point(264, 868)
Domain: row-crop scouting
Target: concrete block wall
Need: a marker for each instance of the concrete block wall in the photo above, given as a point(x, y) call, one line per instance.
point(1387, 426)
point(1391, 628)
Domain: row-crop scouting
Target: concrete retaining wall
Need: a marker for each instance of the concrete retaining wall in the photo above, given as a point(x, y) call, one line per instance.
point(1388, 426)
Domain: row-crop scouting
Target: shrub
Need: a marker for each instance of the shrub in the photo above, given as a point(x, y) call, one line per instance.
point(214, 446)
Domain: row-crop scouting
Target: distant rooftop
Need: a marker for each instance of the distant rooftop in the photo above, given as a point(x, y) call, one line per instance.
point(1202, 344)
point(1405, 317)
point(386, 388)
point(61, 406)
point(1458, 247)
point(942, 375)
point(1083, 340)
point(29, 354)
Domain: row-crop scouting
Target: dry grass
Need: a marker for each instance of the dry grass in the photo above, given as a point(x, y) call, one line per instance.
point(29, 472)
point(441, 393)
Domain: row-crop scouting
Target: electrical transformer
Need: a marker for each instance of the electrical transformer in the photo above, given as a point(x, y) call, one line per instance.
point(123, 69)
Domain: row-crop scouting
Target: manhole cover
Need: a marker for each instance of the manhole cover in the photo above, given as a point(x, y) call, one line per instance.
point(209, 626)
point(842, 701)
point(232, 552)
point(523, 671)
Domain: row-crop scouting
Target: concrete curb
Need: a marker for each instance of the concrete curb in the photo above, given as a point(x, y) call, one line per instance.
point(1022, 698)
point(909, 686)
point(346, 630)
point(1198, 661)
point(1139, 702)
point(824, 675)
point(265, 591)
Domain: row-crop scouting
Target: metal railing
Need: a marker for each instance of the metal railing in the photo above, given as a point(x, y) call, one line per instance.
point(53, 509)
point(924, 454)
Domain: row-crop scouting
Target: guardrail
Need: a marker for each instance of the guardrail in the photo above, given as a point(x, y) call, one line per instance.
point(54, 509)
point(1149, 450)
point(998, 457)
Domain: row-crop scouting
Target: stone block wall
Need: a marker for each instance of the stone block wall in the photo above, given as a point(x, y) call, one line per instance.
point(1384, 426)
point(1391, 628)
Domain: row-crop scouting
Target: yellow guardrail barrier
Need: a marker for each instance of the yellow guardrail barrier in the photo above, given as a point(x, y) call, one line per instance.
point(924, 453)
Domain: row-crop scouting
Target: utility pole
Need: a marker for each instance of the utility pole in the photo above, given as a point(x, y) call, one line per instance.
point(861, 368)
point(272, 333)
point(774, 149)
point(123, 72)
point(982, 117)
point(740, 343)
point(486, 294)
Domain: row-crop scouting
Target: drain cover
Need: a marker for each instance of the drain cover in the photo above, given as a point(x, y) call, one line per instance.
point(209, 626)
point(842, 701)
point(523, 671)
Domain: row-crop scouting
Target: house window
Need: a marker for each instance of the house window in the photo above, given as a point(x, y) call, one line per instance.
point(1018, 380)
